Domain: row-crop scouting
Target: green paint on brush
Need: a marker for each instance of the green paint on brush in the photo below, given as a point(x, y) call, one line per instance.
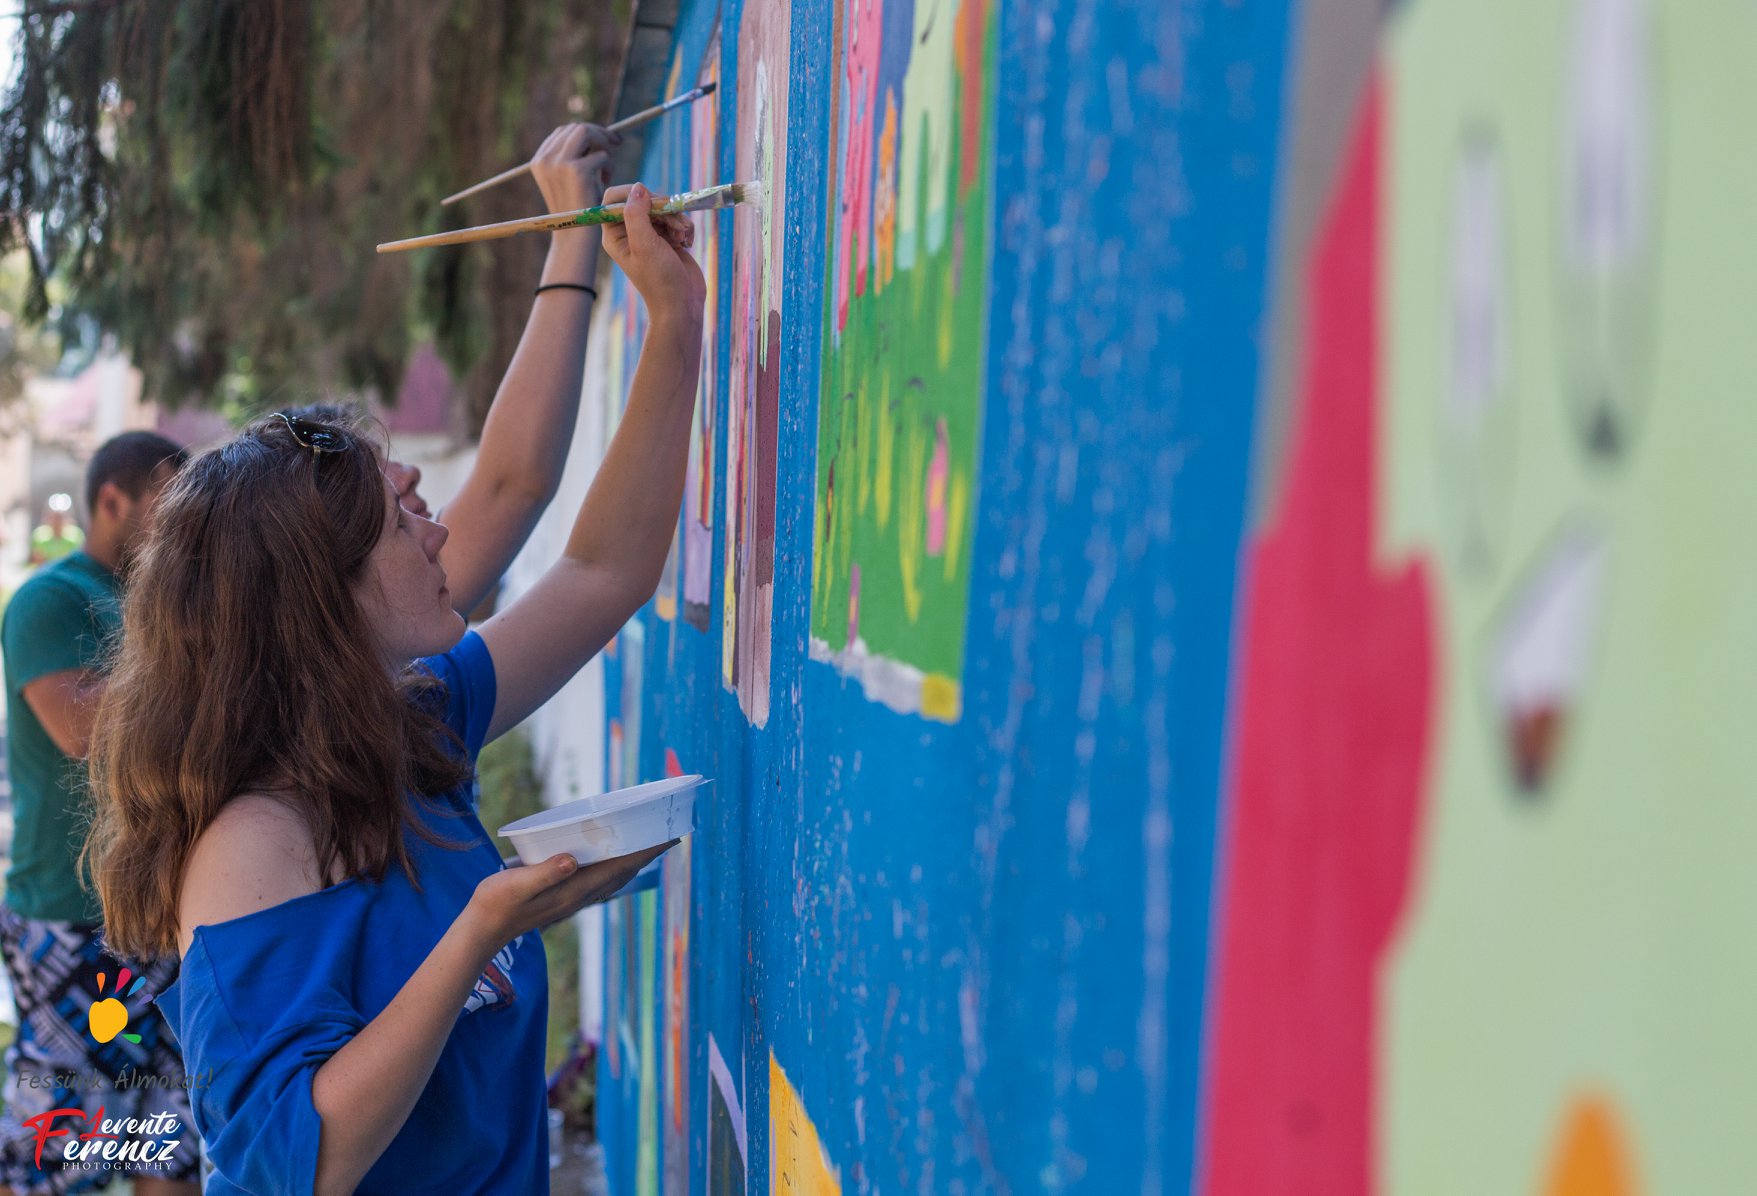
point(708, 199)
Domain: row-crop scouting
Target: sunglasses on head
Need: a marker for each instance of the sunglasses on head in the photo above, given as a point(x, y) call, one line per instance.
point(318, 437)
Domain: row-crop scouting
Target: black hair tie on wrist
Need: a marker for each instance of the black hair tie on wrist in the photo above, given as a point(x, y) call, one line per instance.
point(568, 286)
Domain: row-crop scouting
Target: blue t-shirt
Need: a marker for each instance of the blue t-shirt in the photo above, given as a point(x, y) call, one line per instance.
point(265, 999)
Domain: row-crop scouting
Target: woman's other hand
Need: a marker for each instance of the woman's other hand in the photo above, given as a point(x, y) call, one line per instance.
point(530, 897)
point(655, 254)
point(572, 166)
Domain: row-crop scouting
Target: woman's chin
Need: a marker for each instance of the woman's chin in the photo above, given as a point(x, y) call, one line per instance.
point(442, 634)
point(455, 626)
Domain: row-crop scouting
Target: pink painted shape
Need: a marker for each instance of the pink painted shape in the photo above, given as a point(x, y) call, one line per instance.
point(865, 25)
point(853, 604)
point(1336, 677)
point(937, 471)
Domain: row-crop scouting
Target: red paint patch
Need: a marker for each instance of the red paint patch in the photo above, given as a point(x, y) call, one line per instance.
point(1335, 680)
point(970, 36)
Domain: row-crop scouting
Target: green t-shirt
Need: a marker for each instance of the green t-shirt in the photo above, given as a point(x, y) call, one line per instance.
point(48, 545)
point(61, 618)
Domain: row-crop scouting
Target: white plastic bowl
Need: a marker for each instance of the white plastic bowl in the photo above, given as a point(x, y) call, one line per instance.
point(610, 824)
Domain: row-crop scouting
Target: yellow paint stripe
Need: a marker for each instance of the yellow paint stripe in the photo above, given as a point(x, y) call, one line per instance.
point(797, 1165)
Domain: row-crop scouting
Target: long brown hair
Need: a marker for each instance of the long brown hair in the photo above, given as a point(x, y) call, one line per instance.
point(246, 664)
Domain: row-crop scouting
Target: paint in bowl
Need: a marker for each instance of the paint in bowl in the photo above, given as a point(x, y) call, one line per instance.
point(611, 824)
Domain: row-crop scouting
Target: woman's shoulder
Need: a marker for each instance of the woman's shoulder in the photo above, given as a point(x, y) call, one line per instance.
point(255, 854)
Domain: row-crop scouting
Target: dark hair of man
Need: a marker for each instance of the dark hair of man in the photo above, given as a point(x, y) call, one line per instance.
point(130, 460)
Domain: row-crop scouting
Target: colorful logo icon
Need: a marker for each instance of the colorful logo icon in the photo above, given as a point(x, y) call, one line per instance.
point(109, 1016)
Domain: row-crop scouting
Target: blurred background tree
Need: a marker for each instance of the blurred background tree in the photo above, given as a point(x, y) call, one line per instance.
point(25, 348)
point(204, 180)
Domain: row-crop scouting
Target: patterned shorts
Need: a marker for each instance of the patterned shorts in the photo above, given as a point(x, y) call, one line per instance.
point(55, 968)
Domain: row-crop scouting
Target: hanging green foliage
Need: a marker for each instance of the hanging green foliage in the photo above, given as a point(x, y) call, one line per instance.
point(205, 180)
point(24, 350)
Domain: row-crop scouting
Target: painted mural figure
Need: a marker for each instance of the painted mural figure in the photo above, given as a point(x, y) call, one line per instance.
point(688, 147)
point(698, 508)
point(900, 412)
point(1337, 649)
point(758, 254)
point(1498, 882)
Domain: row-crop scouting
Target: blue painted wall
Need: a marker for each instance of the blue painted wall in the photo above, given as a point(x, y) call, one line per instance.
point(978, 947)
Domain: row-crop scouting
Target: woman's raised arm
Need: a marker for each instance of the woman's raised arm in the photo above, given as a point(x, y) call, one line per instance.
point(524, 441)
point(624, 528)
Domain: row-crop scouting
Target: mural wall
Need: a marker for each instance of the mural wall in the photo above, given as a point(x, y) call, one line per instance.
point(1198, 594)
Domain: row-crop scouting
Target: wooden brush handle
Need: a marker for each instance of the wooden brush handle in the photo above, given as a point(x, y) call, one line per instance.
point(493, 232)
point(623, 125)
point(505, 176)
point(706, 199)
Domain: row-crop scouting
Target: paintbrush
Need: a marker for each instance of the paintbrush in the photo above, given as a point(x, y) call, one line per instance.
point(708, 199)
point(626, 123)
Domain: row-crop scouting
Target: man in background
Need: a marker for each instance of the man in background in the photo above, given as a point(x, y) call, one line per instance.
point(57, 535)
point(55, 632)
